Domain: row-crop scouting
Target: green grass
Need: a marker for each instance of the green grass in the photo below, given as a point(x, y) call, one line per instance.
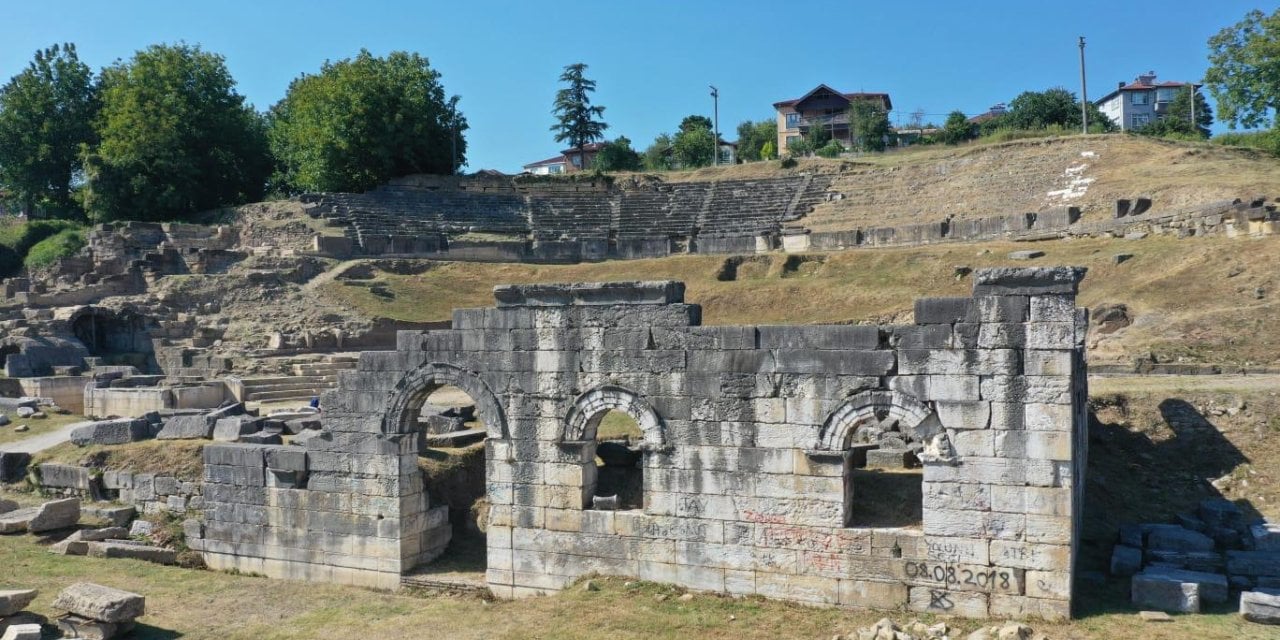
point(63, 244)
point(35, 427)
point(180, 458)
point(18, 238)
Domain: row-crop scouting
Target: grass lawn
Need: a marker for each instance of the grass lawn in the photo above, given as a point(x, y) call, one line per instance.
point(202, 604)
point(36, 427)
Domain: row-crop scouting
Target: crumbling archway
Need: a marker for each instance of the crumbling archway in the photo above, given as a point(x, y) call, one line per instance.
point(883, 435)
point(413, 389)
point(612, 471)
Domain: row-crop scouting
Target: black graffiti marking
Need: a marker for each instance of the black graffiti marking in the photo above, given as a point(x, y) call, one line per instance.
point(949, 575)
point(940, 600)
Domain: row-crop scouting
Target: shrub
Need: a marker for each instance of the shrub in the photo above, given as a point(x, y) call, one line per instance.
point(18, 238)
point(832, 149)
point(63, 244)
point(1265, 140)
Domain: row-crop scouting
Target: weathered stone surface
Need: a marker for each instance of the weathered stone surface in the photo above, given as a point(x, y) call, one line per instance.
point(1165, 594)
point(57, 514)
point(116, 516)
point(98, 602)
point(65, 476)
point(13, 465)
point(74, 626)
point(1252, 563)
point(119, 431)
point(15, 600)
point(1261, 606)
point(187, 427)
point(1125, 560)
point(603, 293)
point(1265, 536)
point(1213, 586)
point(7, 505)
point(22, 632)
point(1178, 539)
point(107, 549)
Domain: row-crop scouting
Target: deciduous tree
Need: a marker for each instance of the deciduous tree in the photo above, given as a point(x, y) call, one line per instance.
point(1056, 106)
point(1244, 70)
point(617, 156)
point(362, 121)
point(46, 116)
point(753, 136)
point(956, 129)
point(695, 147)
point(868, 124)
point(174, 138)
point(577, 120)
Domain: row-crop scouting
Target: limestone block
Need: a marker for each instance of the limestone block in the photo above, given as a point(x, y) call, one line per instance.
point(58, 514)
point(166, 485)
point(1254, 563)
point(120, 431)
point(1005, 309)
point(1125, 560)
point(187, 427)
point(1050, 501)
point(1051, 335)
point(22, 632)
point(1034, 445)
point(1178, 539)
point(230, 429)
point(1036, 362)
point(1265, 536)
point(1028, 389)
point(98, 602)
point(1165, 594)
point(1026, 555)
point(964, 415)
point(1261, 606)
point(943, 310)
point(107, 549)
point(1022, 607)
point(1050, 308)
point(928, 336)
point(968, 604)
point(74, 626)
point(1033, 281)
point(65, 476)
point(1213, 586)
point(868, 594)
point(825, 337)
point(15, 600)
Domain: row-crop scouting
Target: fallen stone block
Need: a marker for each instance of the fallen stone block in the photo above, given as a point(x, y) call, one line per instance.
point(1265, 536)
point(1178, 539)
point(1194, 560)
point(111, 432)
point(109, 549)
point(262, 437)
point(1165, 594)
point(74, 626)
point(15, 600)
point(70, 547)
point(16, 521)
point(1251, 563)
point(230, 429)
point(302, 438)
point(1026, 255)
point(1213, 586)
point(65, 476)
point(13, 465)
point(1261, 606)
point(7, 505)
point(116, 516)
point(96, 602)
point(1154, 616)
point(58, 514)
point(1220, 512)
point(141, 528)
point(22, 632)
point(298, 425)
point(21, 618)
point(454, 439)
point(1125, 560)
point(187, 427)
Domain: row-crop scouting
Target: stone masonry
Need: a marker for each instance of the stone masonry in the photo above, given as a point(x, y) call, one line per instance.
point(752, 437)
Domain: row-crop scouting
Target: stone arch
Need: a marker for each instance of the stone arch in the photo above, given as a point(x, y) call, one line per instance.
point(415, 386)
point(913, 417)
point(584, 416)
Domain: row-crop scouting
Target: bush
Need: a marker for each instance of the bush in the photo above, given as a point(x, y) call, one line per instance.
point(18, 238)
point(832, 149)
point(63, 244)
point(788, 162)
point(1266, 140)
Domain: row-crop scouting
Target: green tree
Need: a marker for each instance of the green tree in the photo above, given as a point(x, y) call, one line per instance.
point(657, 157)
point(577, 120)
point(957, 129)
point(1244, 70)
point(799, 147)
point(695, 147)
point(695, 122)
point(832, 149)
point(869, 125)
point(617, 156)
point(175, 138)
point(362, 121)
point(1180, 109)
point(1056, 106)
point(817, 136)
point(752, 136)
point(46, 115)
point(767, 152)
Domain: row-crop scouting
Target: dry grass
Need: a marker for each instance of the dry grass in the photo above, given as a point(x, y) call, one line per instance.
point(180, 458)
point(36, 427)
point(1193, 300)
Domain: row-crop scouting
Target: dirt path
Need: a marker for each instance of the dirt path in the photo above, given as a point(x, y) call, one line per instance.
point(1121, 384)
point(36, 444)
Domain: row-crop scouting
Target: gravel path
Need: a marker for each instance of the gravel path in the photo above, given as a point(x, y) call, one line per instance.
point(36, 444)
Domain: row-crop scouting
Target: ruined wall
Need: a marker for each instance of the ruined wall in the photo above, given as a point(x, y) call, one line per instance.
point(757, 440)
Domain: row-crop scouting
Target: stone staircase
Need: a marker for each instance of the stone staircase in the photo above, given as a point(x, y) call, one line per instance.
point(309, 379)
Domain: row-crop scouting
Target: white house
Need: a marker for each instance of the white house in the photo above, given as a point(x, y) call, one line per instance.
point(1133, 105)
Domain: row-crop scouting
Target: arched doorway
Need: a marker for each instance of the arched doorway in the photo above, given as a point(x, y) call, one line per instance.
point(884, 436)
point(618, 428)
point(451, 412)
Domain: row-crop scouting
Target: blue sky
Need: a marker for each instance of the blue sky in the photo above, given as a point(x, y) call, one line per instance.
point(653, 60)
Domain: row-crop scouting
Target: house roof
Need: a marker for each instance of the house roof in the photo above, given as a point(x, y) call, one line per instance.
point(1138, 86)
point(848, 96)
point(590, 147)
point(549, 161)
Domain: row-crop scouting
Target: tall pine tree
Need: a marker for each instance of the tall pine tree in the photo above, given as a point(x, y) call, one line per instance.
point(578, 121)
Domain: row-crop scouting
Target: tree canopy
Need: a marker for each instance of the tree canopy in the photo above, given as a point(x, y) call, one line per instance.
point(617, 156)
point(694, 147)
point(694, 122)
point(46, 115)
point(657, 156)
point(364, 120)
point(753, 136)
point(577, 120)
point(956, 129)
point(1244, 70)
point(1052, 107)
point(174, 138)
point(868, 125)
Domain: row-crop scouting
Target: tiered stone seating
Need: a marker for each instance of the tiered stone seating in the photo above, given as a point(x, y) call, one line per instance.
point(672, 211)
point(749, 207)
point(570, 214)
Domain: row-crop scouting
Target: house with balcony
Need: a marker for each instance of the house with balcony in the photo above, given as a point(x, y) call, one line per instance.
point(1134, 104)
point(821, 107)
point(569, 161)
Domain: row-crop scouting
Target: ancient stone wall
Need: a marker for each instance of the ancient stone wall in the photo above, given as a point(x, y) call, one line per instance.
point(762, 447)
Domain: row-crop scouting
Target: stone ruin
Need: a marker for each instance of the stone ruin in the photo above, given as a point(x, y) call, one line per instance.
point(758, 460)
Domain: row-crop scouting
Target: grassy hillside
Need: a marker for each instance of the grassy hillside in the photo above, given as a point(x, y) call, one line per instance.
point(1202, 300)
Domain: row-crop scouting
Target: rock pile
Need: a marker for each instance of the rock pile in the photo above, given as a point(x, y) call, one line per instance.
point(233, 423)
point(16, 624)
point(1200, 560)
point(95, 611)
point(887, 629)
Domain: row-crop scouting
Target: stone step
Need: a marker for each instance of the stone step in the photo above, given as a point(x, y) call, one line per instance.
point(455, 439)
point(293, 394)
point(259, 383)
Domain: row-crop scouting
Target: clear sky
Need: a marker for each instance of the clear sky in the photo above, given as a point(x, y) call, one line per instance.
point(653, 60)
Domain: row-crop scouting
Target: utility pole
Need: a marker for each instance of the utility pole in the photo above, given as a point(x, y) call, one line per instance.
point(453, 140)
point(1084, 93)
point(715, 98)
point(1193, 107)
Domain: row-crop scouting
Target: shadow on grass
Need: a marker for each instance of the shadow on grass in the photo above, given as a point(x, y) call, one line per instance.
point(1144, 477)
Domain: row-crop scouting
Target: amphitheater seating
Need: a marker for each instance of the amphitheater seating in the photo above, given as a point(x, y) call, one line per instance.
point(558, 213)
